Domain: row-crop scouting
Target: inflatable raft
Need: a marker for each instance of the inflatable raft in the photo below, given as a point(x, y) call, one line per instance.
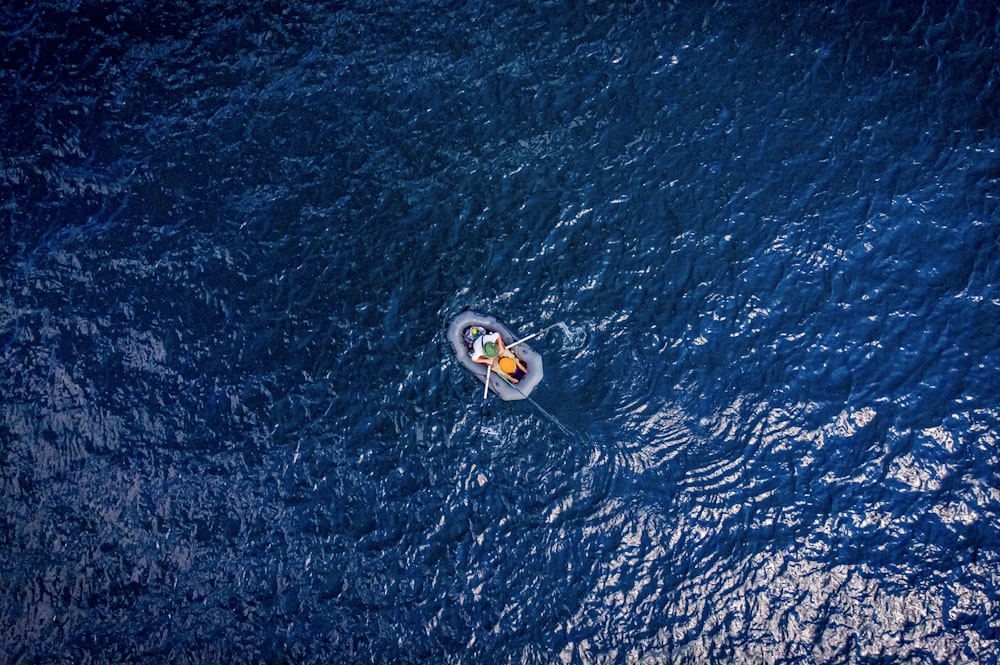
point(463, 332)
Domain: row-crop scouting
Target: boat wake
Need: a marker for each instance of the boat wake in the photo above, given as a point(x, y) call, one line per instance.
point(556, 421)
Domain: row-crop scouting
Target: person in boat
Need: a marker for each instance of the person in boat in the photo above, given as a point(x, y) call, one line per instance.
point(489, 349)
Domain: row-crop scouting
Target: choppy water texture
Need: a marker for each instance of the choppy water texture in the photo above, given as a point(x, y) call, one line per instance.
point(233, 237)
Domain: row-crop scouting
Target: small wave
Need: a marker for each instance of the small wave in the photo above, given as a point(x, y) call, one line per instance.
point(573, 338)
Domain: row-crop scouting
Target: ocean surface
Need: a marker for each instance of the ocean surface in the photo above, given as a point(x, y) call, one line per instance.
point(766, 237)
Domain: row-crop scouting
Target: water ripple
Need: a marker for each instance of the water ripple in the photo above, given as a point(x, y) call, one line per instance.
point(764, 238)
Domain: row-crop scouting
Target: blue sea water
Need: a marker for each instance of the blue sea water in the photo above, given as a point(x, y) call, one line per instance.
point(766, 235)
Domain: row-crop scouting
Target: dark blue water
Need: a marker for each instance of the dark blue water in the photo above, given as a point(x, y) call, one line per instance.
point(233, 235)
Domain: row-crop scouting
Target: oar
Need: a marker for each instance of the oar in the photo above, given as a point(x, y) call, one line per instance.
point(532, 335)
point(484, 413)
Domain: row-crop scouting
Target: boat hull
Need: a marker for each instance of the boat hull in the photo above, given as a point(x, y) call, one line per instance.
point(504, 390)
